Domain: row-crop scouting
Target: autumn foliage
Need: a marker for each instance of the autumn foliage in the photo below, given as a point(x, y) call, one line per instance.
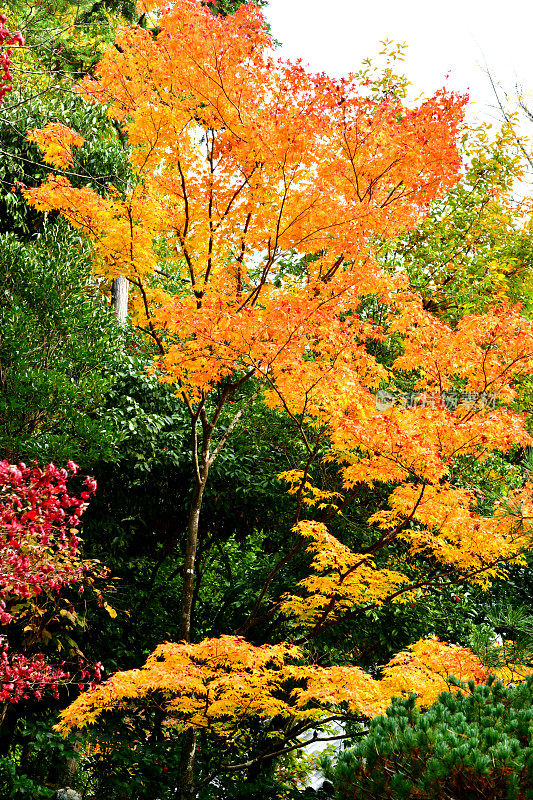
point(38, 528)
point(242, 160)
point(22, 678)
point(39, 521)
point(8, 41)
point(219, 684)
point(260, 194)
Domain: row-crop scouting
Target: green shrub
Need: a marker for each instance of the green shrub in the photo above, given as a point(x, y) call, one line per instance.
point(477, 745)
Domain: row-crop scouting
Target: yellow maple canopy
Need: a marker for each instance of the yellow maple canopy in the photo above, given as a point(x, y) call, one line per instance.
point(219, 684)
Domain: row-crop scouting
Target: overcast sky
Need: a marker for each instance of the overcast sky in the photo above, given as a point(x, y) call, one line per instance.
point(451, 36)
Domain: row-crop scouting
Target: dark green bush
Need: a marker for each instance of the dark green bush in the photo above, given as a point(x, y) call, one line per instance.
point(478, 745)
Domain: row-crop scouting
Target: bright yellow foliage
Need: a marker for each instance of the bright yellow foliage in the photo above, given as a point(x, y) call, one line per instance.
point(56, 142)
point(219, 684)
point(425, 668)
point(340, 579)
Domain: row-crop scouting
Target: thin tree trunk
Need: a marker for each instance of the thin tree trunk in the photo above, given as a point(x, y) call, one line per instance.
point(186, 789)
point(119, 298)
point(190, 559)
point(65, 768)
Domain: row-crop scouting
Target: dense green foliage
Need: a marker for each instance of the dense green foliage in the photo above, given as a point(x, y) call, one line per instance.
point(57, 350)
point(478, 744)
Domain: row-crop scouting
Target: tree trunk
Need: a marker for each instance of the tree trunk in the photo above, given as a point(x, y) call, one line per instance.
point(190, 559)
point(119, 298)
point(65, 768)
point(186, 789)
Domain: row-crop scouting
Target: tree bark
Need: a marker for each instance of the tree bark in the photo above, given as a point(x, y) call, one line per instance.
point(186, 789)
point(202, 462)
point(119, 298)
point(65, 768)
point(190, 558)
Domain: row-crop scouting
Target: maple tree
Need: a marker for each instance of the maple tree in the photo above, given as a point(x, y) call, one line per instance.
point(249, 238)
point(217, 684)
point(276, 173)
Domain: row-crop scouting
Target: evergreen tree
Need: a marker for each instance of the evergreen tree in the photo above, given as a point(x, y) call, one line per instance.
point(472, 745)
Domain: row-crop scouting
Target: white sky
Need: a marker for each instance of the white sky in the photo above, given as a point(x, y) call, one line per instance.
point(451, 36)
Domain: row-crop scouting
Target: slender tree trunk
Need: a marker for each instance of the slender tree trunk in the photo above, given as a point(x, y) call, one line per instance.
point(119, 298)
point(190, 559)
point(65, 768)
point(120, 286)
point(186, 789)
point(202, 463)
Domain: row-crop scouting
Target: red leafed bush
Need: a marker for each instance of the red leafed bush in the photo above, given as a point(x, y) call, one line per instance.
point(39, 555)
point(8, 41)
point(39, 532)
point(22, 678)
